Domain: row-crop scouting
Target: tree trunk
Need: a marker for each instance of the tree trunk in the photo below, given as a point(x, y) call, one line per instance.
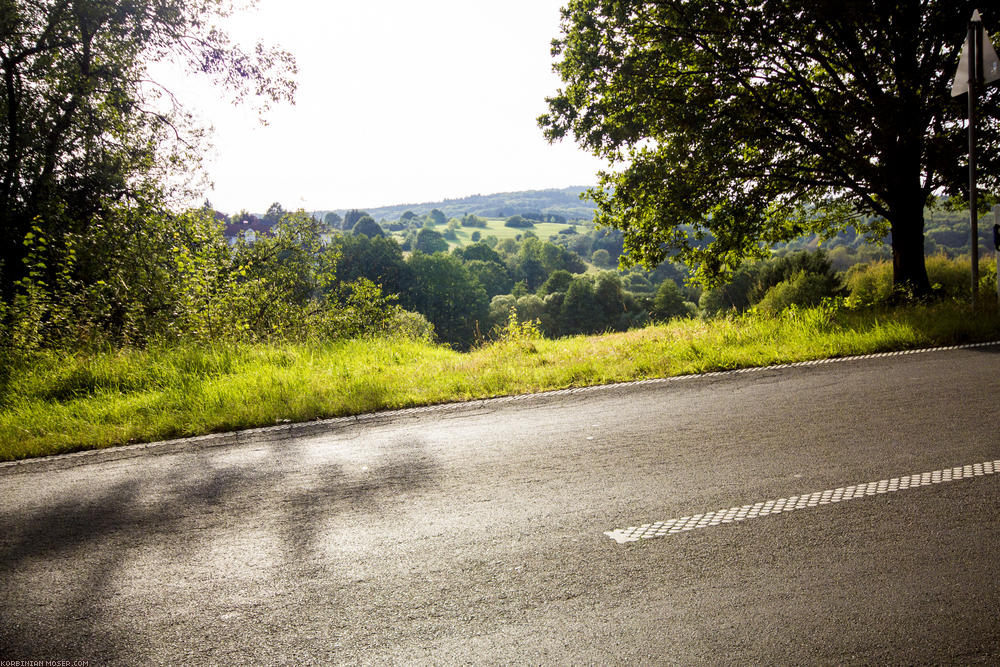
point(909, 272)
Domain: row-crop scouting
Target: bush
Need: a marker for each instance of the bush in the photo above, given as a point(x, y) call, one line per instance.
point(601, 258)
point(429, 242)
point(869, 284)
point(669, 302)
point(803, 289)
point(518, 222)
point(410, 325)
point(950, 278)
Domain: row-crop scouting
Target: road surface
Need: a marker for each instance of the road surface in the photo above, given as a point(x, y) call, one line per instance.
point(479, 534)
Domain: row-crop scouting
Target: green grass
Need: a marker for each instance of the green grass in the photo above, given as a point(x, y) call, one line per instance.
point(62, 404)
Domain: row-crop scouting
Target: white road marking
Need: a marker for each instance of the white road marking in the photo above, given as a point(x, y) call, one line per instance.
point(839, 495)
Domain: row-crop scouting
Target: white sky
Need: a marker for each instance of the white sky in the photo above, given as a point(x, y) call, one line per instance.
point(398, 102)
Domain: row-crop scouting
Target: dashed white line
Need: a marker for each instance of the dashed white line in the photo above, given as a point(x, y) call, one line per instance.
point(829, 496)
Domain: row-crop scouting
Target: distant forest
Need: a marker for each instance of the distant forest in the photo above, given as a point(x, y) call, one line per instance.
point(564, 202)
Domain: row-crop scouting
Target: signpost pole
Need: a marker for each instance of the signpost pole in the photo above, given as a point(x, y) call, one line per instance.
point(978, 66)
point(996, 245)
point(975, 57)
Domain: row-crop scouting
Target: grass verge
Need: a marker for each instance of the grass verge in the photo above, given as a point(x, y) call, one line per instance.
point(61, 404)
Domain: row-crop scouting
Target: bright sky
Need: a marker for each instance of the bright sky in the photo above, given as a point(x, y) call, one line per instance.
point(398, 102)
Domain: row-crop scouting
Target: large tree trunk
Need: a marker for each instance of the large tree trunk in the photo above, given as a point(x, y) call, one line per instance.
point(906, 198)
point(909, 272)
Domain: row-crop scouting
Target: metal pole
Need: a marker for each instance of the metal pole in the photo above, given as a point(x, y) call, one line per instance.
point(996, 245)
point(975, 42)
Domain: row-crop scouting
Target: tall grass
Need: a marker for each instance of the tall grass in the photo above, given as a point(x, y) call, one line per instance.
point(60, 404)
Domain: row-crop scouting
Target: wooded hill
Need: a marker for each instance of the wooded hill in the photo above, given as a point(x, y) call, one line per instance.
point(565, 202)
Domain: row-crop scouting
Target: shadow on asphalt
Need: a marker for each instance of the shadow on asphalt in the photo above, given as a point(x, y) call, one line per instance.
point(84, 544)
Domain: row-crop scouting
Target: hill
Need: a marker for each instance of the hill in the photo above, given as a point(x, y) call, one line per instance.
point(562, 201)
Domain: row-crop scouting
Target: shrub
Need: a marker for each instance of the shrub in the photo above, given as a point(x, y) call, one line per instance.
point(669, 302)
point(869, 284)
point(410, 325)
point(803, 289)
point(601, 258)
point(518, 222)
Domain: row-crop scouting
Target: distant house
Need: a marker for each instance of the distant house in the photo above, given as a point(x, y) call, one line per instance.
point(249, 226)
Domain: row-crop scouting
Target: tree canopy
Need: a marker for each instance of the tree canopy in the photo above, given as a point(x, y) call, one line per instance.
point(732, 126)
point(84, 129)
point(367, 226)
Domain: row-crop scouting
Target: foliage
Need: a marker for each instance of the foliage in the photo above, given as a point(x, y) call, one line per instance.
point(470, 220)
point(669, 302)
point(444, 291)
point(493, 276)
point(172, 279)
point(601, 258)
point(951, 278)
point(752, 282)
point(274, 214)
point(367, 226)
point(351, 218)
point(736, 126)
point(802, 289)
point(478, 251)
point(85, 133)
point(518, 332)
point(558, 281)
point(332, 221)
point(378, 259)
point(429, 242)
point(63, 402)
point(518, 222)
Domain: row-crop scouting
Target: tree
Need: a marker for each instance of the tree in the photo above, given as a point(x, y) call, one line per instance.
point(332, 220)
point(478, 251)
point(580, 311)
point(735, 126)
point(518, 222)
point(527, 264)
point(379, 259)
point(491, 275)
point(601, 258)
point(449, 297)
point(83, 130)
point(438, 217)
point(429, 241)
point(610, 299)
point(351, 218)
point(669, 301)
point(274, 214)
point(558, 281)
point(368, 227)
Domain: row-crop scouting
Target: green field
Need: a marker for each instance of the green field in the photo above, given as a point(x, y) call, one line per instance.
point(495, 227)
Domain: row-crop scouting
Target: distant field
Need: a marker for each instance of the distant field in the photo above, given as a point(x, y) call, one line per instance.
point(495, 227)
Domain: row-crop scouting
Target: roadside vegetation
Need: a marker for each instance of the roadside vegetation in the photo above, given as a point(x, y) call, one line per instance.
point(62, 403)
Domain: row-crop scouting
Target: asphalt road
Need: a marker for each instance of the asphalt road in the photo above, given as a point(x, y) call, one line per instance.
point(476, 534)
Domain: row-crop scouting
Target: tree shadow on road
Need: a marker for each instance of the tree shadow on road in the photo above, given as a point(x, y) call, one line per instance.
point(81, 547)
